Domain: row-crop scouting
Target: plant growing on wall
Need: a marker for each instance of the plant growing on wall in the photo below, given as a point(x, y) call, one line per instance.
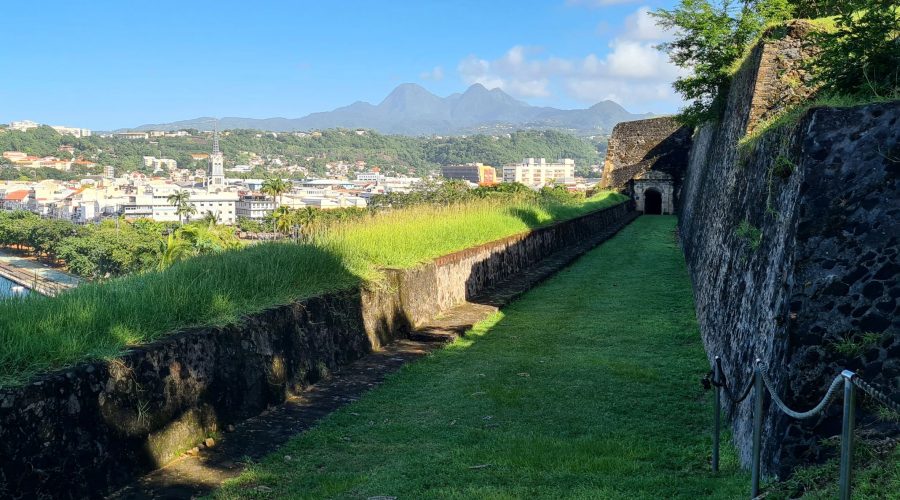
point(749, 234)
point(783, 167)
point(710, 35)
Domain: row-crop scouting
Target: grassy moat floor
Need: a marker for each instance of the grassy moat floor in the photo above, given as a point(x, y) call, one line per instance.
point(586, 387)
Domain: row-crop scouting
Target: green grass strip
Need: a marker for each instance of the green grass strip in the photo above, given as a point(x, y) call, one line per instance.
point(99, 320)
point(586, 387)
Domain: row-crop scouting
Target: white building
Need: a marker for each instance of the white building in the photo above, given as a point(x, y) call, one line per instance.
point(153, 203)
point(23, 125)
point(254, 207)
point(155, 163)
point(372, 176)
point(77, 132)
point(132, 135)
point(536, 172)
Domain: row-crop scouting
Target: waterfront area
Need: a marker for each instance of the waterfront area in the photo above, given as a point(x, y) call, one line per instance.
point(17, 271)
point(9, 288)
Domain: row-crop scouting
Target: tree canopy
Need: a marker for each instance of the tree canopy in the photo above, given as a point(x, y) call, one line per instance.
point(392, 153)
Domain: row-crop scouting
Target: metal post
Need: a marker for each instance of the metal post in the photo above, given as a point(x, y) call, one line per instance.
point(847, 433)
point(717, 404)
point(757, 429)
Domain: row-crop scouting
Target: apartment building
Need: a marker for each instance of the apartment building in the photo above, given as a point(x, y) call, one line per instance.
point(155, 163)
point(254, 206)
point(77, 132)
point(537, 172)
point(476, 173)
point(153, 203)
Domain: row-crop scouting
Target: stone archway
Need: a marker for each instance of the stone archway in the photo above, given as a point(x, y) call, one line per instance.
point(652, 202)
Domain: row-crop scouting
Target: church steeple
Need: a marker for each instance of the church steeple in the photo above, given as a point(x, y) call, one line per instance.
point(215, 179)
point(216, 138)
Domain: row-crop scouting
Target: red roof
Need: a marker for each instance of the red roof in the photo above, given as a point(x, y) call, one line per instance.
point(17, 195)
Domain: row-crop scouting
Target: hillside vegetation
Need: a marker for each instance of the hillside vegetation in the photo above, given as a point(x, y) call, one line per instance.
point(393, 153)
point(100, 319)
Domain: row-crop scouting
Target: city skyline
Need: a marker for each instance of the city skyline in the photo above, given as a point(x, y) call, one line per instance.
point(279, 60)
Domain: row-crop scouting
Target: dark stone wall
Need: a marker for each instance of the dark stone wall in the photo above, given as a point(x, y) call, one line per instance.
point(79, 431)
point(791, 243)
point(660, 144)
point(86, 430)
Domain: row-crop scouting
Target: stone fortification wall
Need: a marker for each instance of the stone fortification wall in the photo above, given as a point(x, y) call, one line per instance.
point(782, 80)
point(791, 243)
point(85, 430)
point(636, 147)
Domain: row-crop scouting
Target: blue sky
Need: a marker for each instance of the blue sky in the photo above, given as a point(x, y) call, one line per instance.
point(104, 65)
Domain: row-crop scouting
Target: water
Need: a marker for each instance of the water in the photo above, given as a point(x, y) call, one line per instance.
point(8, 288)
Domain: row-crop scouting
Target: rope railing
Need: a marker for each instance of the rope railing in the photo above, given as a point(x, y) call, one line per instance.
point(760, 382)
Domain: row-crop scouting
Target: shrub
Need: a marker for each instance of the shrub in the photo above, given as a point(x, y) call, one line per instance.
point(710, 35)
point(861, 55)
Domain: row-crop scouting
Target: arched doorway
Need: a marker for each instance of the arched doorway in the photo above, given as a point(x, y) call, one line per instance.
point(652, 202)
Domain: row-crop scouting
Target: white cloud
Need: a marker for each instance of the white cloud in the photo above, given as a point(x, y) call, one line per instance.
point(513, 72)
point(435, 74)
point(640, 25)
point(633, 72)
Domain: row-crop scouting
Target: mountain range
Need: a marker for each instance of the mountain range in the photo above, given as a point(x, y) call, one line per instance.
point(411, 110)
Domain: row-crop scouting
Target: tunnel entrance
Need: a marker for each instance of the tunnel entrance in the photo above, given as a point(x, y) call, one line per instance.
point(652, 202)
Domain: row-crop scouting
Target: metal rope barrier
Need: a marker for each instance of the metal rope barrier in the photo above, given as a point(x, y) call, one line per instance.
point(723, 383)
point(760, 382)
point(876, 394)
point(829, 396)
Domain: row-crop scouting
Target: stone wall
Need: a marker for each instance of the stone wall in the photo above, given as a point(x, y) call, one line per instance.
point(781, 80)
point(791, 243)
point(635, 147)
point(88, 429)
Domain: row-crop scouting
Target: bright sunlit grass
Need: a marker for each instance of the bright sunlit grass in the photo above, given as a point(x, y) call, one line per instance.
point(586, 387)
point(99, 320)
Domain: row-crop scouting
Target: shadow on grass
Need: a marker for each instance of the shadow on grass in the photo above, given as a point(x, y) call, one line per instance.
point(566, 394)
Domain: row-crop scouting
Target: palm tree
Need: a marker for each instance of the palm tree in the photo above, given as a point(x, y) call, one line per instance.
point(284, 218)
point(275, 187)
point(210, 218)
point(181, 200)
point(171, 250)
point(209, 239)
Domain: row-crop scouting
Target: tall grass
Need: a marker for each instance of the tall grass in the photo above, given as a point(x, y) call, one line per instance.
point(99, 320)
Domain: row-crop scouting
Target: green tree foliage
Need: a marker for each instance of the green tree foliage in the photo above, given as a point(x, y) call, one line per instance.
point(454, 192)
point(710, 35)
point(109, 249)
point(275, 187)
point(181, 200)
point(112, 248)
point(861, 56)
point(394, 154)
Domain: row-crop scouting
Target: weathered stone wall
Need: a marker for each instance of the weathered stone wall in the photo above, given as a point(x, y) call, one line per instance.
point(781, 80)
point(638, 146)
point(85, 430)
point(791, 243)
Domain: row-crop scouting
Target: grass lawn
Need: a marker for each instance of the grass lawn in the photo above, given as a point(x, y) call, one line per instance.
point(586, 387)
point(98, 320)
